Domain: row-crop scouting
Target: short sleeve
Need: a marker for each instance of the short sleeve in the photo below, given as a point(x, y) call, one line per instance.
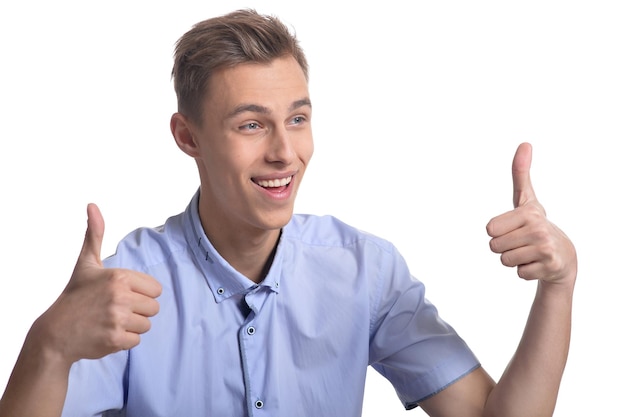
point(97, 387)
point(410, 345)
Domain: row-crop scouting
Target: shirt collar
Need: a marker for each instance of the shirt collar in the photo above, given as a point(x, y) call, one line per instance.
point(223, 280)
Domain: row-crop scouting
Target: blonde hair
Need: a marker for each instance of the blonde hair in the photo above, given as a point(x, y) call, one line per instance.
point(242, 36)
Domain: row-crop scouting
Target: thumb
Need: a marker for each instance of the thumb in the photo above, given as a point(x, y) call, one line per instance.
point(90, 252)
point(522, 187)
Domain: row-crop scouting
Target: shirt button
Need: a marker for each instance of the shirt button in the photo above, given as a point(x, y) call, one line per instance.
point(251, 330)
point(220, 291)
point(258, 404)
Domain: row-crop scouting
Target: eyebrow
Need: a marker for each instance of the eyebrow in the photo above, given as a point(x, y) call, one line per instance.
point(255, 108)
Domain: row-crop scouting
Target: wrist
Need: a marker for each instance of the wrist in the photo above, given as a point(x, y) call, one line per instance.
point(41, 348)
point(563, 288)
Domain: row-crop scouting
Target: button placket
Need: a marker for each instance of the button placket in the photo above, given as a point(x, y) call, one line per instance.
point(252, 337)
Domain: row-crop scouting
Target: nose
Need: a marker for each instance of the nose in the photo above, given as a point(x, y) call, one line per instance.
point(280, 147)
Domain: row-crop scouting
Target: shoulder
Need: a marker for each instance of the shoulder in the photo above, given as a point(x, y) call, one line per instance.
point(326, 230)
point(147, 246)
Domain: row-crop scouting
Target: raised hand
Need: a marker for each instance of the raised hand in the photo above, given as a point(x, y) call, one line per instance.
point(100, 311)
point(525, 238)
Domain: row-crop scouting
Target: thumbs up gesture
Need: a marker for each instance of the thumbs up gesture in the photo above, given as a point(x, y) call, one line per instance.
point(525, 238)
point(100, 311)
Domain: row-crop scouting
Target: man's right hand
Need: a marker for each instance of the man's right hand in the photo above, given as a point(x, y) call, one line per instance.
point(101, 310)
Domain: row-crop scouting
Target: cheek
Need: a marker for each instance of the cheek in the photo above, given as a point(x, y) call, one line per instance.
point(305, 150)
point(229, 160)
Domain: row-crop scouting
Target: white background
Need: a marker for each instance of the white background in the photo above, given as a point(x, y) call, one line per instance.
point(418, 111)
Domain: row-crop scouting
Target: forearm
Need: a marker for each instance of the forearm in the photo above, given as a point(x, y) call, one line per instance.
point(529, 386)
point(38, 384)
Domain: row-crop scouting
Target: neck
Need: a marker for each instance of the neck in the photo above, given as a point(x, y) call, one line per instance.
point(250, 252)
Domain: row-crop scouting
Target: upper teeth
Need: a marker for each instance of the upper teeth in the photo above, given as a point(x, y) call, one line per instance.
point(274, 183)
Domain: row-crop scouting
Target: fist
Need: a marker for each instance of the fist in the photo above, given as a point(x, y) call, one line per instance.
point(525, 238)
point(101, 310)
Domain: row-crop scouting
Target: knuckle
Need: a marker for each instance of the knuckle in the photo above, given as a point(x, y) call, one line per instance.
point(150, 308)
point(546, 248)
point(115, 317)
point(541, 237)
point(491, 228)
point(155, 307)
point(522, 273)
point(119, 278)
point(554, 265)
point(158, 288)
point(119, 300)
point(506, 259)
point(115, 339)
point(541, 232)
point(535, 213)
point(147, 326)
point(132, 341)
point(527, 272)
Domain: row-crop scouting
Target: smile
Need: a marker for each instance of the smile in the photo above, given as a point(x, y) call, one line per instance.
point(281, 182)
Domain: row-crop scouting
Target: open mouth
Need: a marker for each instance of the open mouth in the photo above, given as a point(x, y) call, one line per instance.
point(275, 183)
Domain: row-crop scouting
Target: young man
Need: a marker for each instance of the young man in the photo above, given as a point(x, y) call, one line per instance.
point(263, 312)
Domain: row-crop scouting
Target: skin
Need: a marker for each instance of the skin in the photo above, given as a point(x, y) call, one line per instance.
point(528, 241)
point(256, 128)
point(100, 311)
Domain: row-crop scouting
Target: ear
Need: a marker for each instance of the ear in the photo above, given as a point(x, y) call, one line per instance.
point(182, 130)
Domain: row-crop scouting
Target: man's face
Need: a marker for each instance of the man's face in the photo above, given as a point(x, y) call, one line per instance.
point(254, 145)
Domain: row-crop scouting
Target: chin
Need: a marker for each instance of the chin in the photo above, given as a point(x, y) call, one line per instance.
point(278, 220)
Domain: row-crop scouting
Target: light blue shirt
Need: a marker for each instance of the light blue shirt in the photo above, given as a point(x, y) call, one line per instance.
point(334, 301)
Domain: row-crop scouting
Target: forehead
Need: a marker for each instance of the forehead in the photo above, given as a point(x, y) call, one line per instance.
point(275, 85)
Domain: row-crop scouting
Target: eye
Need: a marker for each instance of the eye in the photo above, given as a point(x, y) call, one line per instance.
point(298, 120)
point(250, 126)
